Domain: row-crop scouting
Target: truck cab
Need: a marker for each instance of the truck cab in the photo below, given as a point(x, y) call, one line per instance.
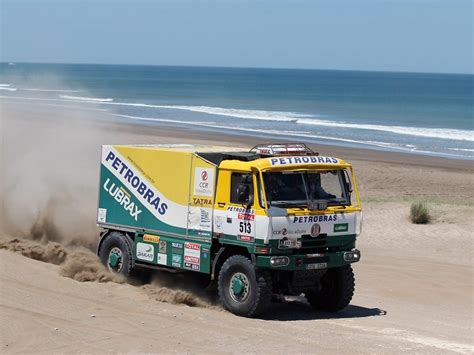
point(277, 219)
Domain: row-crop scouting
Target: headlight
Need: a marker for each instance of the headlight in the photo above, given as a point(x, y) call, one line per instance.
point(279, 261)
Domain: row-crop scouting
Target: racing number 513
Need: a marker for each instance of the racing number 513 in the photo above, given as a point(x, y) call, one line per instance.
point(245, 227)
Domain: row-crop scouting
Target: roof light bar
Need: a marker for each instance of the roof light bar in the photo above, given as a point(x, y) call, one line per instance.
point(282, 149)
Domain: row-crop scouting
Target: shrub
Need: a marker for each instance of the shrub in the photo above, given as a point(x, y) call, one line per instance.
point(419, 213)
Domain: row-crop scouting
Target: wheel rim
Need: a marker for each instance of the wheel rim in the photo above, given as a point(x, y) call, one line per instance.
point(115, 260)
point(239, 287)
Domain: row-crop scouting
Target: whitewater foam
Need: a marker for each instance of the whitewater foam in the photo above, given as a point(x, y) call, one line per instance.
point(288, 117)
point(7, 88)
point(49, 90)
point(85, 99)
point(442, 133)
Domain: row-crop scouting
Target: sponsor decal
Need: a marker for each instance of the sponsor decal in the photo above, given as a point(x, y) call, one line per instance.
point(135, 183)
point(191, 266)
point(315, 219)
point(245, 238)
point(123, 197)
point(192, 255)
point(102, 215)
point(151, 238)
point(205, 221)
point(240, 210)
point(176, 260)
point(204, 182)
point(204, 234)
point(177, 245)
point(145, 251)
point(191, 259)
point(315, 230)
point(246, 216)
point(162, 259)
point(162, 247)
point(303, 160)
point(341, 227)
point(286, 231)
point(202, 201)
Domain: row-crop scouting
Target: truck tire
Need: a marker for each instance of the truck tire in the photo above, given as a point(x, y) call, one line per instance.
point(337, 289)
point(243, 289)
point(116, 253)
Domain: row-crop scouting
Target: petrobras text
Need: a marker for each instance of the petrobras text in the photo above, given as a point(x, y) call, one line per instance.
point(303, 160)
point(315, 219)
point(136, 182)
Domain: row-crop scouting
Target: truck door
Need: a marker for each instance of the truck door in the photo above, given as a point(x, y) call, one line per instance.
point(234, 218)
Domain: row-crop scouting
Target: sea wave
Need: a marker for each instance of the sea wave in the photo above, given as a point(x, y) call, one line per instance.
point(4, 84)
point(7, 88)
point(230, 112)
point(462, 149)
point(407, 147)
point(443, 133)
point(85, 99)
point(49, 90)
point(289, 117)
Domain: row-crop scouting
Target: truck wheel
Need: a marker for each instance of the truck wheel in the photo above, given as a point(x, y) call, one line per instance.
point(116, 253)
point(243, 289)
point(337, 289)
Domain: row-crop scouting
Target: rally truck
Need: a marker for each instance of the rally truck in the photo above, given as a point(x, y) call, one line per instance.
point(277, 219)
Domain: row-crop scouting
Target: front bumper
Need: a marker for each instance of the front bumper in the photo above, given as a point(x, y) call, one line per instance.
point(308, 261)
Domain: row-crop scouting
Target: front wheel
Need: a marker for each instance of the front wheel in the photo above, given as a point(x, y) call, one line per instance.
point(336, 291)
point(243, 289)
point(116, 253)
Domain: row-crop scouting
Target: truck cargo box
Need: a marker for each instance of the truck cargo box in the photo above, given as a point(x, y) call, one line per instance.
point(157, 189)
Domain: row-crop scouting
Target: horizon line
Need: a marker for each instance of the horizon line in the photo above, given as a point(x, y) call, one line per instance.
point(242, 67)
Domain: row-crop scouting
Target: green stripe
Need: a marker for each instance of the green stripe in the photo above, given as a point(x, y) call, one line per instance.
point(116, 214)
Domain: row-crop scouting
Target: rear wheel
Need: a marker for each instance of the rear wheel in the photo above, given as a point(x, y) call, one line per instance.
point(243, 289)
point(337, 289)
point(116, 253)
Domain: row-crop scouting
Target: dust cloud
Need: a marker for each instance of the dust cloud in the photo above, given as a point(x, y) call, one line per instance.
point(50, 252)
point(84, 266)
point(49, 166)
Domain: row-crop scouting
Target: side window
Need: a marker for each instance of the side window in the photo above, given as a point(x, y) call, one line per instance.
point(238, 183)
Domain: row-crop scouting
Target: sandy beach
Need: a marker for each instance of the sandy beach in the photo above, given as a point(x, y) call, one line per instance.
point(414, 284)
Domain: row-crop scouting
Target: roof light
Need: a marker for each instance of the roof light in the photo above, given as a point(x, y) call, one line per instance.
point(282, 149)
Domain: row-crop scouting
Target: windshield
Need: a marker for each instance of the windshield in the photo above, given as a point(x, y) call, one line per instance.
point(299, 188)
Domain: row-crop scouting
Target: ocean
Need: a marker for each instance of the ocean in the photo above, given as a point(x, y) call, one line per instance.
point(429, 114)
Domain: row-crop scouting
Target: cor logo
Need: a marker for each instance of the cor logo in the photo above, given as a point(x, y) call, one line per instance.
point(204, 175)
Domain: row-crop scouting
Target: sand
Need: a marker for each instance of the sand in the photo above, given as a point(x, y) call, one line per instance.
point(414, 284)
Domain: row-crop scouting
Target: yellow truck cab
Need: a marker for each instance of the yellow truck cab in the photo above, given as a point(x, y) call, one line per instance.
point(275, 219)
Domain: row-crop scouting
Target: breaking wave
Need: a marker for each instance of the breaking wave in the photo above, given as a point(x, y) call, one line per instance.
point(49, 90)
point(443, 133)
point(85, 99)
point(281, 116)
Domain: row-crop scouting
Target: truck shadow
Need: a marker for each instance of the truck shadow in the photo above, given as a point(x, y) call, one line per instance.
point(299, 309)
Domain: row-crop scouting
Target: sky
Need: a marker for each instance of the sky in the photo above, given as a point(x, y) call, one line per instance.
point(381, 35)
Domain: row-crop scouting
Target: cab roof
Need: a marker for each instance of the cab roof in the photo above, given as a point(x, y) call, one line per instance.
point(282, 156)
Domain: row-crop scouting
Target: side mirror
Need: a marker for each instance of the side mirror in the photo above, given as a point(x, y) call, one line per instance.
point(243, 194)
